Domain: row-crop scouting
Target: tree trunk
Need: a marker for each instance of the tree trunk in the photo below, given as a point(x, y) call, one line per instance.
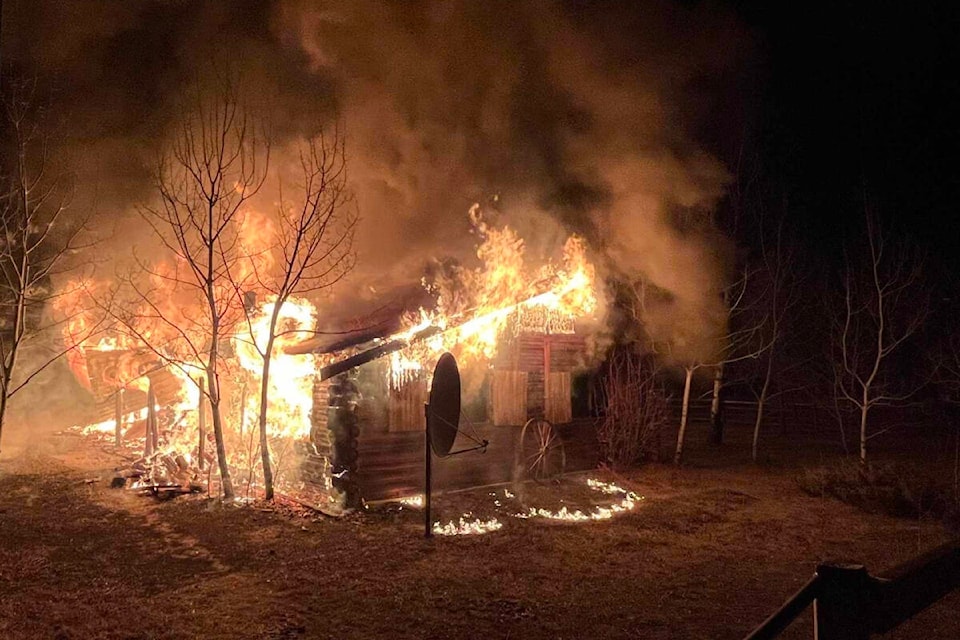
point(10, 357)
point(716, 407)
point(152, 434)
point(864, 408)
point(262, 418)
point(3, 410)
point(213, 385)
point(119, 421)
point(684, 411)
point(761, 403)
point(201, 423)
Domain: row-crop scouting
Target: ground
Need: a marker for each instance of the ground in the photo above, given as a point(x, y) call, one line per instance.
point(708, 553)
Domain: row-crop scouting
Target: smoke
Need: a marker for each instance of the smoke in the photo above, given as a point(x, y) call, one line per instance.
point(561, 116)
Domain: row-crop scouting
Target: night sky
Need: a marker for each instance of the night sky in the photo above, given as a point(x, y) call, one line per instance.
point(856, 94)
point(621, 121)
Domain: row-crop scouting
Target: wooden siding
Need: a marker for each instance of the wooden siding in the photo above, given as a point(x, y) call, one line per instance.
point(509, 397)
point(558, 407)
point(530, 353)
point(390, 445)
point(391, 464)
point(405, 408)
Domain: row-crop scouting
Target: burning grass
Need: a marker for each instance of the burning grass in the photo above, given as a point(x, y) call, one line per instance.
point(571, 500)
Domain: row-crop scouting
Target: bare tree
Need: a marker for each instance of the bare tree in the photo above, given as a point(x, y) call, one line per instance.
point(741, 339)
point(39, 244)
point(738, 338)
point(782, 293)
point(214, 163)
point(311, 244)
point(883, 306)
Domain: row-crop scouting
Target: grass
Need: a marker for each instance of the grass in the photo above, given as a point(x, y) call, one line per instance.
point(709, 553)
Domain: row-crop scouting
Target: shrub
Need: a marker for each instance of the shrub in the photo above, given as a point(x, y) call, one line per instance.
point(634, 409)
point(896, 489)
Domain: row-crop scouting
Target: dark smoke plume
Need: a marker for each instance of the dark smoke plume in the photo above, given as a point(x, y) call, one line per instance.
point(561, 116)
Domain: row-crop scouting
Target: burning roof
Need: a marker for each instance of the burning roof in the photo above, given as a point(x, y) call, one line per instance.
point(472, 308)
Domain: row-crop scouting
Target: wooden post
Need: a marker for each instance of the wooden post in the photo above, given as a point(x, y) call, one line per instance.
point(546, 378)
point(201, 422)
point(428, 454)
point(841, 610)
point(119, 417)
point(150, 437)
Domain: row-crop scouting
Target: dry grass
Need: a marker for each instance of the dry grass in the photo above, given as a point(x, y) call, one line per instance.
point(708, 554)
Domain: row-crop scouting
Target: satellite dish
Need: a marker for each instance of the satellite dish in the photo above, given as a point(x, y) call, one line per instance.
point(443, 412)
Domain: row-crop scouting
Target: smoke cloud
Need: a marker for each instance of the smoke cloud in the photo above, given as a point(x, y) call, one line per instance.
point(560, 116)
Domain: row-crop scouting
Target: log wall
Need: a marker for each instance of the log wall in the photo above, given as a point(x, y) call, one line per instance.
point(391, 464)
point(390, 442)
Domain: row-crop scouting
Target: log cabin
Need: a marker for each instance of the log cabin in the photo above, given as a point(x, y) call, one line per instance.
point(367, 435)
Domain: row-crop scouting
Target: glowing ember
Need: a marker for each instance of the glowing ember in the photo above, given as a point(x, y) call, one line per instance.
point(466, 527)
point(605, 487)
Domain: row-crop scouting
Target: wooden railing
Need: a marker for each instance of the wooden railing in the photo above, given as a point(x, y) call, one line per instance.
point(851, 604)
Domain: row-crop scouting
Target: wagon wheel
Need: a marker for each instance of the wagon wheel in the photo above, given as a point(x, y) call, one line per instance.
point(539, 454)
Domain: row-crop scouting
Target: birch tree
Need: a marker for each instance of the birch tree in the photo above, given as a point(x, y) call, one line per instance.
point(741, 339)
point(883, 306)
point(778, 266)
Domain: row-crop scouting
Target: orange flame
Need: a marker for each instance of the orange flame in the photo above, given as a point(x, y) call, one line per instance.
point(502, 294)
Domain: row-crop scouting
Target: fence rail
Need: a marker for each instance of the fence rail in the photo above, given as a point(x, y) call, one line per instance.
point(851, 604)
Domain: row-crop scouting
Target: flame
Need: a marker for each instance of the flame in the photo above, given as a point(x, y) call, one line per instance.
point(414, 501)
point(468, 524)
point(471, 318)
point(628, 501)
point(290, 390)
point(467, 527)
point(290, 397)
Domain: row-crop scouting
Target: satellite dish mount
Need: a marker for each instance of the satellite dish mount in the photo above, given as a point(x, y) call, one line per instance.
point(442, 414)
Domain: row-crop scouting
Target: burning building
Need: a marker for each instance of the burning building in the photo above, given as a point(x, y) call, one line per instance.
point(567, 114)
point(345, 415)
point(368, 419)
point(521, 340)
